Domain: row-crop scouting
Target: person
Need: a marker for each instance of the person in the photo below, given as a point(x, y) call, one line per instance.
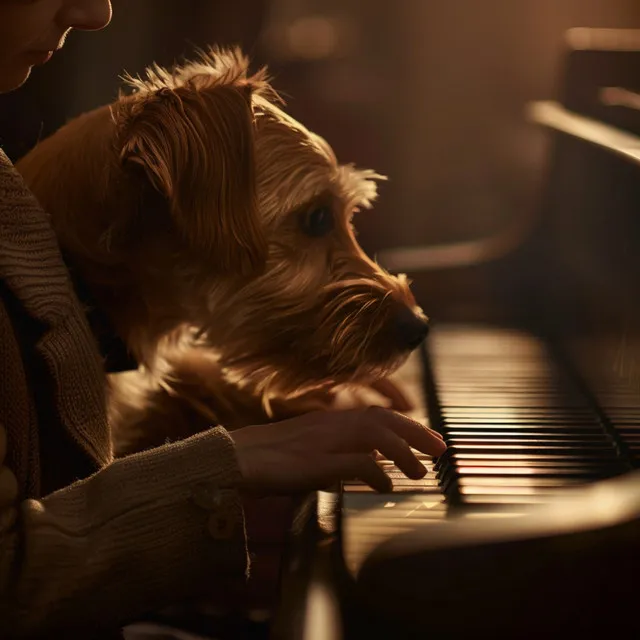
point(87, 543)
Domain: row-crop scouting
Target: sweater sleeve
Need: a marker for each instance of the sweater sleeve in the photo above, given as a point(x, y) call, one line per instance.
point(146, 531)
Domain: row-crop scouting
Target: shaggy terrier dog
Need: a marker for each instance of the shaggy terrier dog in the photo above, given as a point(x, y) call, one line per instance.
point(214, 233)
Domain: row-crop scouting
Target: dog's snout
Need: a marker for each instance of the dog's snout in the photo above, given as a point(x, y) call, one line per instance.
point(411, 327)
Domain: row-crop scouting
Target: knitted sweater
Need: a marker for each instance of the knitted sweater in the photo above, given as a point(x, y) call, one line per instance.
point(88, 543)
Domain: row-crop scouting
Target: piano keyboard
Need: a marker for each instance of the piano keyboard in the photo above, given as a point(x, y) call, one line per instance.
point(518, 427)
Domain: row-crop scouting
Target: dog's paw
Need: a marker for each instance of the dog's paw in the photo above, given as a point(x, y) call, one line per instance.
point(317, 400)
point(380, 393)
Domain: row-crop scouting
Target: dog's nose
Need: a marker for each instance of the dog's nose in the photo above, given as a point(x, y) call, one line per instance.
point(411, 327)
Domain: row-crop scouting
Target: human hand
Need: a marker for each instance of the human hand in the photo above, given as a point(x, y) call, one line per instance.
point(315, 450)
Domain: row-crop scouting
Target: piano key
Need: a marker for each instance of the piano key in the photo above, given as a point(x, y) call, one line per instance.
point(504, 387)
point(558, 472)
point(496, 385)
point(460, 380)
point(468, 491)
point(527, 442)
point(488, 467)
point(502, 499)
point(454, 466)
point(555, 431)
point(399, 486)
point(465, 409)
point(494, 436)
point(618, 415)
point(533, 482)
point(513, 414)
point(449, 473)
point(458, 412)
point(519, 423)
point(522, 464)
point(399, 477)
point(546, 403)
point(522, 457)
point(529, 448)
point(523, 461)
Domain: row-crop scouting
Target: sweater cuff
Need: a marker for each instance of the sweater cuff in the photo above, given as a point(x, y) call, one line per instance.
point(153, 529)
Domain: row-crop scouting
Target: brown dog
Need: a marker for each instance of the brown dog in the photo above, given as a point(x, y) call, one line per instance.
point(196, 207)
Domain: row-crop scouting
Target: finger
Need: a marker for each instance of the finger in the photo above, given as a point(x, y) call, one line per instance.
point(370, 473)
point(393, 447)
point(432, 432)
point(392, 391)
point(363, 467)
point(437, 434)
point(413, 433)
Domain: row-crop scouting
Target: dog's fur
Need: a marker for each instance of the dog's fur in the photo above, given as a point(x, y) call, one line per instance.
point(188, 208)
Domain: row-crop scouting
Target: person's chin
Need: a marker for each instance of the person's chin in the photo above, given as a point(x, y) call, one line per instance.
point(12, 79)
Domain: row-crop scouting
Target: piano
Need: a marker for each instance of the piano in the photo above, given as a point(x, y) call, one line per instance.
point(529, 525)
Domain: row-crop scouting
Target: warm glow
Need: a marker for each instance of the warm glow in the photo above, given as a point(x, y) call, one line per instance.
point(313, 37)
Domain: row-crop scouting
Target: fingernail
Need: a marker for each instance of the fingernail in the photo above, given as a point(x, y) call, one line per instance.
point(442, 446)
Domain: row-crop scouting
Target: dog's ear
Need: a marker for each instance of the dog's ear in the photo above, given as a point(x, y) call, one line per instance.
point(196, 147)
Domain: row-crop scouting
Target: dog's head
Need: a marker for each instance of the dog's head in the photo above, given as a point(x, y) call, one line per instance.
point(220, 210)
point(246, 180)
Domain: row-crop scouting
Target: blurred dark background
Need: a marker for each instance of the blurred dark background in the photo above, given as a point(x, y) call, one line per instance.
point(430, 93)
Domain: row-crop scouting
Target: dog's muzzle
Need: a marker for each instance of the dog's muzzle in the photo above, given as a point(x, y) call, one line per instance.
point(411, 327)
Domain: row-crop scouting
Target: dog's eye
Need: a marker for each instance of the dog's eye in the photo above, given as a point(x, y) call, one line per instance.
point(317, 221)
